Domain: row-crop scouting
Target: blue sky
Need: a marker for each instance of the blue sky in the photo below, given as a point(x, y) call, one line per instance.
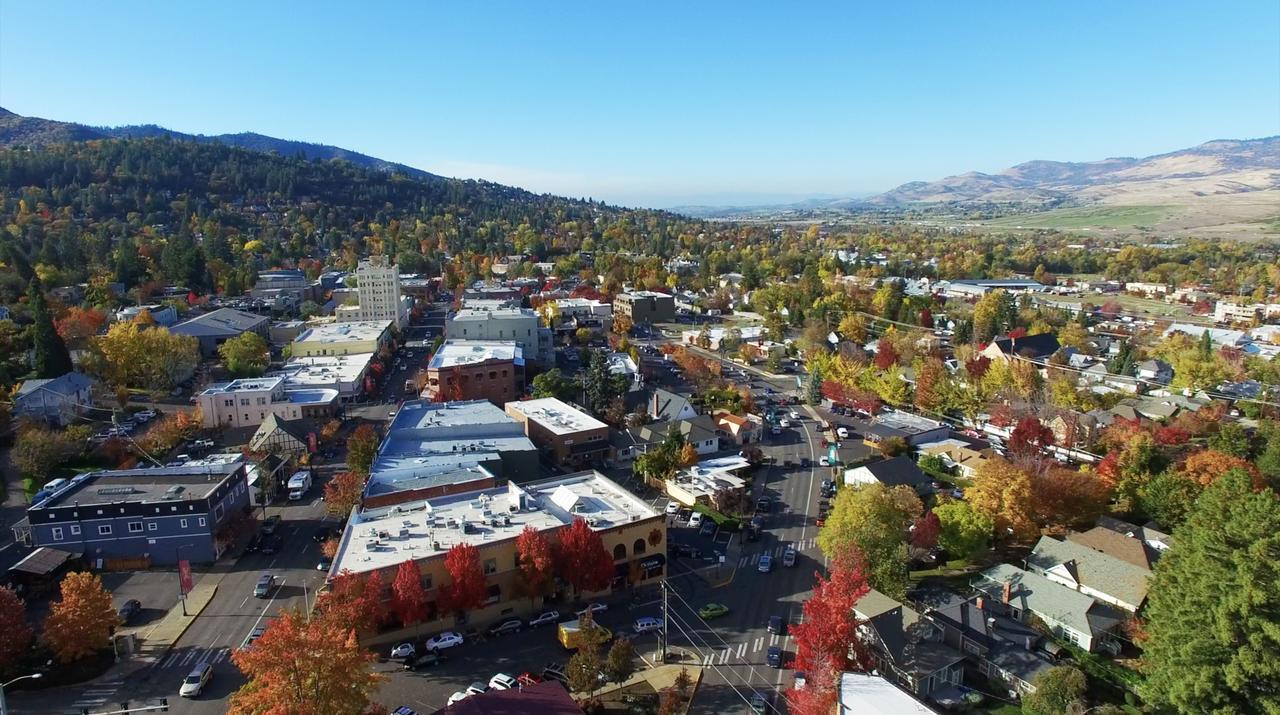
point(665, 103)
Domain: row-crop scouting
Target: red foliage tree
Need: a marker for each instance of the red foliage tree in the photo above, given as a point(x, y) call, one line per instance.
point(1029, 438)
point(583, 560)
point(1018, 332)
point(818, 696)
point(536, 562)
point(827, 638)
point(868, 402)
point(886, 354)
point(468, 589)
point(15, 630)
point(1001, 415)
point(408, 598)
point(354, 600)
point(77, 325)
point(977, 366)
point(1171, 436)
point(926, 317)
point(925, 533)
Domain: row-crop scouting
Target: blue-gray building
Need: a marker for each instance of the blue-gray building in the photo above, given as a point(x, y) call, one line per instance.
point(164, 514)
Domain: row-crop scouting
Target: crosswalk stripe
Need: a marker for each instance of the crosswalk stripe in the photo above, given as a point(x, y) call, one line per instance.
point(742, 649)
point(706, 660)
point(724, 656)
point(758, 644)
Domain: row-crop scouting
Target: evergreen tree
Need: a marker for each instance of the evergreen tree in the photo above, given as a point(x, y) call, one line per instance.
point(1211, 618)
point(51, 356)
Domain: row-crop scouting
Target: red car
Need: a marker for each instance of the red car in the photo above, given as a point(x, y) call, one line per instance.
point(820, 519)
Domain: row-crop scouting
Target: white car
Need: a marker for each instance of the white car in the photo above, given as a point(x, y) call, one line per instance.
point(695, 520)
point(794, 415)
point(403, 650)
point(673, 507)
point(842, 433)
point(824, 461)
point(448, 639)
point(596, 607)
point(784, 423)
point(458, 697)
point(646, 624)
point(502, 681)
point(545, 618)
point(194, 683)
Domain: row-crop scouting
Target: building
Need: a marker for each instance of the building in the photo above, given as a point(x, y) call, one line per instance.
point(382, 538)
point(214, 329)
point(570, 436)
point(1081, 565)
point(908, 650)
point(378, 282)
point(645, 307)
point(570, 314)
point(977, 288)
point(490, 370)
point(163, 315)
point(871, 694)
point(742, 429)
point(247, 402)
point(161, 515)
point(434, 449)
point(1218, 336)
point(519, 324)
point(714, 482)
point(55, 401)
point(713, 338)
point(1155, 370)
point(631, 442)
point(897, 472)
point(343, 338)
point(289, 438)
point(283, 332)
point(1067, 613)
point(1004, 649)
point(347, 374)
point(545, 698)
point(916, 430)
point(1150, 290)
point(959, 455)
point(622, 364)
point(1032, 347)
point(667, 405)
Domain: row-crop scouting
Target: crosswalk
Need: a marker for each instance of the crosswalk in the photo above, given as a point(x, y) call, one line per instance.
point(99, 694)
point(723, 655)
point(776, 552)
point(195, 656)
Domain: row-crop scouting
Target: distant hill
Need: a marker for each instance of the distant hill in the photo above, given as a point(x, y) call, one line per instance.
point(34, 132)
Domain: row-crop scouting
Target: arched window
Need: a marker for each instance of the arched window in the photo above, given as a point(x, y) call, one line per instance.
point(619, 552)
point(639, 547)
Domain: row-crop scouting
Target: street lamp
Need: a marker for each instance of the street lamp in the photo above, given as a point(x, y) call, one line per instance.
point(4, 710)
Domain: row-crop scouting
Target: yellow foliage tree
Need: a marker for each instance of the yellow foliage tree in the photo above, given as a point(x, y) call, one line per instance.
point(1004, 494)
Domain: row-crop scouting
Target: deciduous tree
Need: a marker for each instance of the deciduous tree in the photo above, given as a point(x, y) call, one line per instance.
point(926, 529)
point(78, 324)
point(408, 598)
point(466, 589)
point(1004, 494)
point(1207, 465)
point(342, 492)
point(583, 560)
point(964, 531)
point(827, 637)
point(553, 383)
point(873, 519)
point(305, 666)
point(131, 355)
point(619, 663)
point(355, 600)
point(689, 455)
point(245, 355)
point(537, 564)
point(81, 622)
point(362, 446)
point(15, 629)
point(1029, 438)
point(1058, 691)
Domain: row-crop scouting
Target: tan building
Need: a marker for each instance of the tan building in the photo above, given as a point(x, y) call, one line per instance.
point(571, 436)
point(491, 519)
point(248, 402)
point(490, 370)
point(378, 284)
point(343, 338)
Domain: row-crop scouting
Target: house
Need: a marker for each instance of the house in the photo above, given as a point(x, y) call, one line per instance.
point(666, 405)
point(1004, 649)
point(742, 429)
point(631, 442)
point(870, 694)
point(1157, 371)
point(56, 401)
point(1073, 429)
point(914, 429)
point(1157, 542)
point(1107, 575)
point(1033, 347)
point(958, 455)
point(276, 435)
point(715, 482)
point(1218, 336)
point(1068, 614)
point(214, 329)
point(908, 649)
point(897, 472)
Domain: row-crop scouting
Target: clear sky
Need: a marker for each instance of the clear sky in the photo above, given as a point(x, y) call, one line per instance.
point(654, 103)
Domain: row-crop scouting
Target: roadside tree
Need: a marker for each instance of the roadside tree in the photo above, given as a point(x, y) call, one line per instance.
point(81, 622)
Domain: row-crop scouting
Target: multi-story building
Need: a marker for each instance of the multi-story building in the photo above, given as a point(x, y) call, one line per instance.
point(378, 281)
point(348, 374)
point(368, 336)
point(490, 370)
point(434, 449)
point(519, 324)
point(215, 328)
point(164, 315)
point(569, 435)
point(247, 402)
point(382, 538)
point(645, 307)
point(165, 514)
point(570, 314)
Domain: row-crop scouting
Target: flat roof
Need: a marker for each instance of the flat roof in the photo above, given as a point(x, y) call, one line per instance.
point(322, 370)
point(906, 422)
point(384, 537)
point(223, 321)
point(453, 353)
point(468, 313)
point(556, 415)
point(193, 480)
point(345, 332)
point(249, 384)
point(868, 694)
point(644, 294)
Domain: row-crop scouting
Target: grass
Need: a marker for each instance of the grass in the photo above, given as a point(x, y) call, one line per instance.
point(1089, 217)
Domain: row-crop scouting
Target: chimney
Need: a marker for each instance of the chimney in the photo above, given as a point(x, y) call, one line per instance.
point(1007, 595)
point(980, 603)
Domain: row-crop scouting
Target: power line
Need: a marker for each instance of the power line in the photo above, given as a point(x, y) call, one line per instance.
point(708, 659)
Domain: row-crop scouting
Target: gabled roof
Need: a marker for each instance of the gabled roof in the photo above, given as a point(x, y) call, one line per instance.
point(221, 322)
point(1099, 571)
point(64, 385)
point(296, 429)
point(1129, 549)
point(1034, 346)
point(898, 471)
point(668, 405)
point(1031, 592)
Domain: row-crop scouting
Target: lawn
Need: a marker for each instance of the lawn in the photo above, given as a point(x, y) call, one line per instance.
point(1090, 217)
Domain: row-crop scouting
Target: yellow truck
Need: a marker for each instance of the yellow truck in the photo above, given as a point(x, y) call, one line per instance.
point(572, 634)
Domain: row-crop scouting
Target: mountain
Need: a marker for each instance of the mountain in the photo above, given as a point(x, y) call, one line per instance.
point(34, 132)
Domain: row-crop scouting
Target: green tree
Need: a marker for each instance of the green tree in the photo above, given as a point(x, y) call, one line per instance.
point(813, 386)
point(619, 663)
point(966, 532)
point(874, 518)
point(1059, 691)
point(1211, 617)
point(1168, 497)
point(245, 355)
point(51, 358)
point(1231, 438)
point(362, 446)
point(553, 383)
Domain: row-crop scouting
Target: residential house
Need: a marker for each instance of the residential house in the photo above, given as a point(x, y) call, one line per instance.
point(1033, 347)
point(633, 441)
point(742, 429)
point(914, 429)
point(1154, 370)
point(1073, 429)
point(908, 649)
point(871, 694)
point(1068, 614)
point(958, 455)
point(289, 438)
point(666, 405)
point(1156, 542)
point(1003, 649)
point(896, 472)
point(1082, 565)
point(57, 401)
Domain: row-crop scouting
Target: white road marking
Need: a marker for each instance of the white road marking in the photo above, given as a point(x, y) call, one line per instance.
point(759, 643)
point(742, 649)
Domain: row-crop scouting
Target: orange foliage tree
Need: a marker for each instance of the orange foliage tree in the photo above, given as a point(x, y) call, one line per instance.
point(1204, 467)
point(80, 623)
point(77, 325)
point(467, 590)
point(1003, 492)
point(354, 600)
point(342, 492)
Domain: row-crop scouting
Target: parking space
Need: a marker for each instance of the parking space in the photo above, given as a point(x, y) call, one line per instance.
point(157, 591)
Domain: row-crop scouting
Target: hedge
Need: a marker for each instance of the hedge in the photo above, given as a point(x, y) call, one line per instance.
point(722, 520)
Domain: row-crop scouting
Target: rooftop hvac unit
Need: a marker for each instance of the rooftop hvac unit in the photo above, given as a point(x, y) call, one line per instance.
point(404, 533)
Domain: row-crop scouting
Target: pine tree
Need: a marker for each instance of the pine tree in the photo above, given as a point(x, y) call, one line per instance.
point(51, 356)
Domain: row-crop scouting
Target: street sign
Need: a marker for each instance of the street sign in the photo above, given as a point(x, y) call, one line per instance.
point(184, 576)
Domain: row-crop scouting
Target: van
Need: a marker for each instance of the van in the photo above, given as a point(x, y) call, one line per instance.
point(194, 683)
point(695, 521)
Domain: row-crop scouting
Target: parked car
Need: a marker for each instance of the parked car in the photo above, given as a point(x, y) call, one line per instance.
point(695, 520)
point(403, 650)
point(196, 680)
point(129, 611)
point(144, 415)
point(546, 618)
point(271, 524)
point(595, 607)
point(673, 507)
point(457, 697)
point(325, 564)
point(761, 702)
point(794, 415)
point(477, 688)
point(774, 657)
point(647, 624)
point(447, 639)
point(510, 625)
point(765, 565)
point(764, 505)
point(322, 534)
point(777, 626)
point(556, 673)
point(708, 528)
point(502, 681)
point(712, 610)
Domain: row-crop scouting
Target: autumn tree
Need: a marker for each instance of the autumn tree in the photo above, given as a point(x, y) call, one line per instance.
point(1003, 493)
point(131, 355)
point(1207, 465)
point(37, 451)
point(81, 622)
point(15, 629)
point(925, 531)
point(536, 562)
point(827, 635)
point(362, 447)
point(583, 560)
point(873, 520)
point(342, 493)
point(1058, 690)
point(50, 357)
point(408, 598)
point(964, 532)
point(245, 355)
point(354, 599)
point(886, 354)
point(467, 589)
point(688, 455)
point(818, 696)
point(78, 324)
point(1029, 439)
point(619, 662)
point(302, 665)
point(1068, 498)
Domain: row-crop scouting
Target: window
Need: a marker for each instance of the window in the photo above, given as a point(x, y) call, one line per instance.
point(57, 533)
point(619, 552)
point(490, 566)
point(495, 594)
point(200, 521)
point(75, 529)
point(135, 527)
point(426, 582)
point(152, 526)
point(244, 402)
point(229, 403)
point(182, 523)
point(104, 530)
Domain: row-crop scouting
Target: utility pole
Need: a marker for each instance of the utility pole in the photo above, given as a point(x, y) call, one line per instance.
point(665, 616)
